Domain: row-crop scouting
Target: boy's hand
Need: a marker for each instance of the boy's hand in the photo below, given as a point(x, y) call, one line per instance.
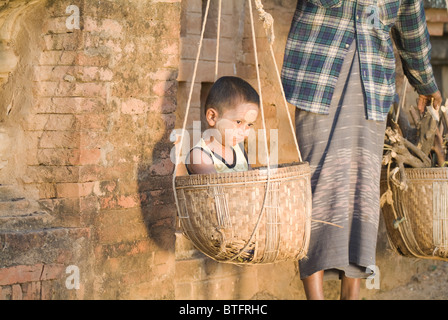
point(425, 100)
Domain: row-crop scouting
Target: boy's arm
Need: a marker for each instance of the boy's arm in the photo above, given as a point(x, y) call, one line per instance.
point(200, 162)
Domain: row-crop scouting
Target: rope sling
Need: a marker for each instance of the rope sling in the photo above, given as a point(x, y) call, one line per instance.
point(206, 202)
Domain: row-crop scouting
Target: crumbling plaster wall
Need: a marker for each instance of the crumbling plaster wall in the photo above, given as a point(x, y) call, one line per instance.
point(85, 118)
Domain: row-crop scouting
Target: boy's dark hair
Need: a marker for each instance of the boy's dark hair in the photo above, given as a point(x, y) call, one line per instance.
point(229, 91)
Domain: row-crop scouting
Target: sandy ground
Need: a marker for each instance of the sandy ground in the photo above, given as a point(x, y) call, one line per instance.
point(431, 284)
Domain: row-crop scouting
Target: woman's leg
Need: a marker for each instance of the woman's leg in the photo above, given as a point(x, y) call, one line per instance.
point(350, 288)
point(314, 286)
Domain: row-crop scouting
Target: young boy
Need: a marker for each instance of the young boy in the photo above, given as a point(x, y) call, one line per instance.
point(231, 109)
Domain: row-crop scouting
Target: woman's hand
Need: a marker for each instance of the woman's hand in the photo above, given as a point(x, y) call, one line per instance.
point(425, 100)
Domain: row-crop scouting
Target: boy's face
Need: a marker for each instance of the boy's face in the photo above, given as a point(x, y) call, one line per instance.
point(233, 124)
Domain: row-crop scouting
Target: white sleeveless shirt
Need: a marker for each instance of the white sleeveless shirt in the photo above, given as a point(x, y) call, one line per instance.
point(240, 162)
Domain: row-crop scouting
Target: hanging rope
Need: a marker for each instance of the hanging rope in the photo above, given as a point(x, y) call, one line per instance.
point(268, 24)
point(187, 109)
point(218, 37)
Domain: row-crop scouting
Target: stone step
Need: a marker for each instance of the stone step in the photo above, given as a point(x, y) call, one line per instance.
point(8, 207)
point(8, 192)
point(13, 203)
point(25, 221)
point(44, 246)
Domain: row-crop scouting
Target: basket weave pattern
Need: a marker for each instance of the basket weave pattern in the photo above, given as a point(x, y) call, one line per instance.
point(219, 213)
point(423, 209)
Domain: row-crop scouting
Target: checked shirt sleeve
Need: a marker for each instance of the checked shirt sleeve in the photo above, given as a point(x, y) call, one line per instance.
point(411, 38)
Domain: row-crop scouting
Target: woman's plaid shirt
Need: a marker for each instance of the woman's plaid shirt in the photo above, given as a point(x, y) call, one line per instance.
point(321, 33)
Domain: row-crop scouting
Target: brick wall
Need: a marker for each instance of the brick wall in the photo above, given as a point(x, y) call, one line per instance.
point(85, 179)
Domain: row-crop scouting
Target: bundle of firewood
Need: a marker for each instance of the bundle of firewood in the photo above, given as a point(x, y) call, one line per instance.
point(416, 140)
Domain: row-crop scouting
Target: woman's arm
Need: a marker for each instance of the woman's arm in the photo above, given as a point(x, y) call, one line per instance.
point(411, 37)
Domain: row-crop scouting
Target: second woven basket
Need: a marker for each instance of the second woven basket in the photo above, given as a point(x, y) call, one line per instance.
point(417, 218)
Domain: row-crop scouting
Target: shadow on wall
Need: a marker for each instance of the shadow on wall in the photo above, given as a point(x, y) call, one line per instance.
point(155, 169)
point(194, 275)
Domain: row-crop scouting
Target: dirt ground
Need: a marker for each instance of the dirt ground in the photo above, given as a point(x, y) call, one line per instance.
point(431, 284)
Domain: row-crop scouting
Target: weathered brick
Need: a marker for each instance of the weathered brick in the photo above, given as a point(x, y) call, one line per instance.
point(36, 123)
point(69, 105)
point(17, 292)
point(55, 25)
point(96, 58)
point(163, 74)
point(90, 74)
point(106, 28)
point(58, 157)
point(133, 106)
point(164, 257)
point(56, 57)
point(68, 89)
point(46, 190)
point(20, 274)
point(50, 122)
point(89, 156)
point(53, 271)
point(5, 293)
point(162, 167)
point(52, 73)
point(45, 246)
point(121, 225)
point(65, 210)
point(163, 105)
point(121, 201)
point(95, 44)
point(92, 140)
point(189, 270)
point(50, 174)
point(93, 121)
point(59, 139)
point(61, 122)
point(31, 290)
point(74, 190)
point(162, 88)
point(64, 41)
point(122, 250)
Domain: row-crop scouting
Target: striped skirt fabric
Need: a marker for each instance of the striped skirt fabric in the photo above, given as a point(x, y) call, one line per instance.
point(344, 150)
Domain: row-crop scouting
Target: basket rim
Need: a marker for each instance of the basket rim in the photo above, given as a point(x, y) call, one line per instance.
point(256, 175)
point(422, 174)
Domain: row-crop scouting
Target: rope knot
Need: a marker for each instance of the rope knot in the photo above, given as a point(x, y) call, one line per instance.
point(268, 21)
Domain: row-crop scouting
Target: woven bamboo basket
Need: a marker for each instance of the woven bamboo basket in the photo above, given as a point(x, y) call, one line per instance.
point(417, 218)
point(231, 217)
